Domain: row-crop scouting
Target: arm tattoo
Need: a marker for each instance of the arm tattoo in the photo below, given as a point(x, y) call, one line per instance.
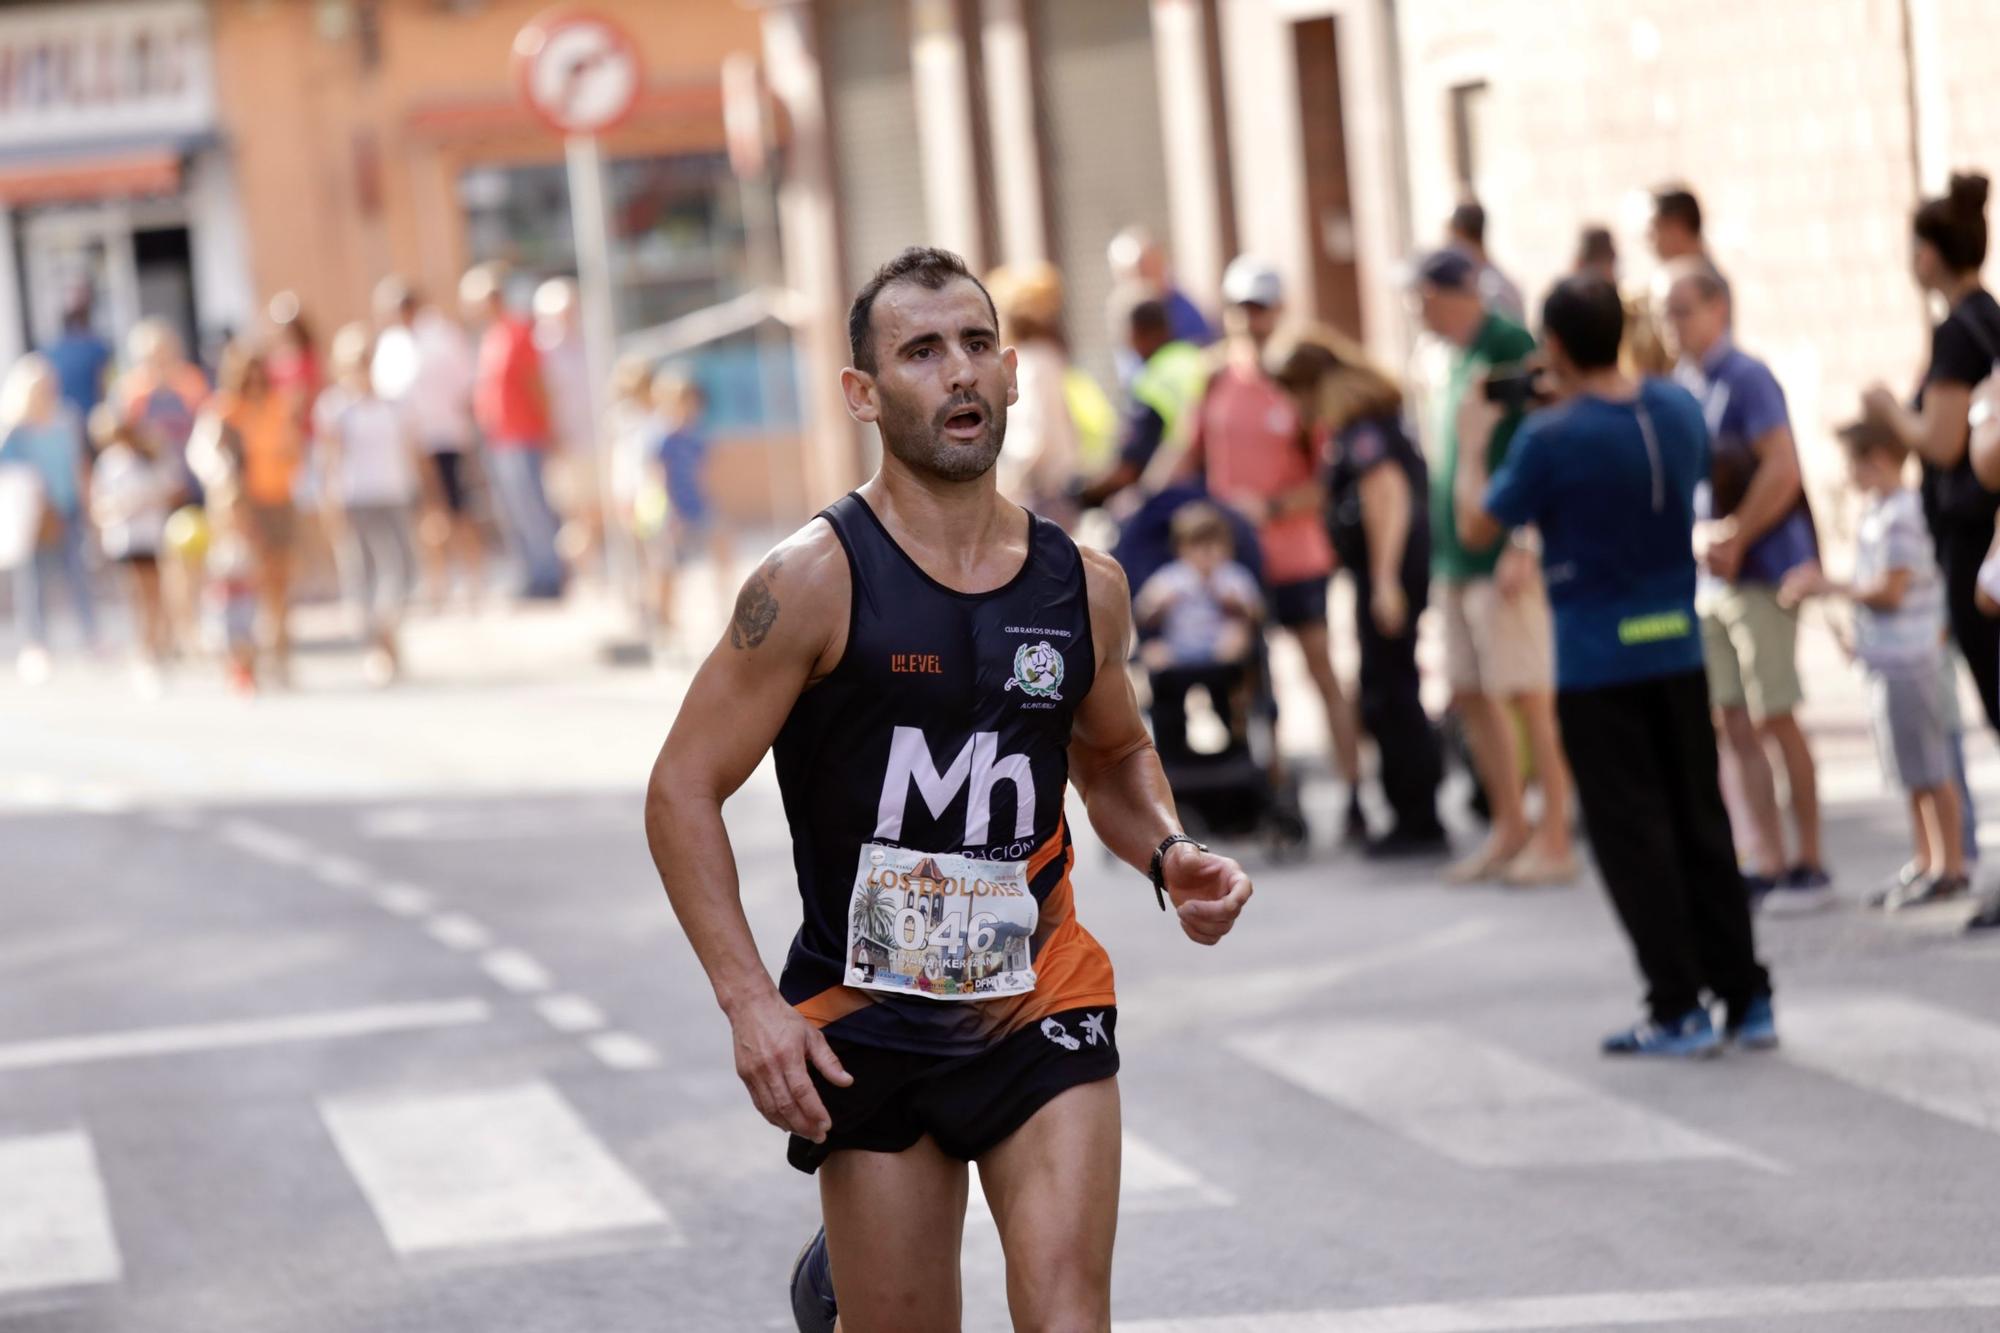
point(756, 608)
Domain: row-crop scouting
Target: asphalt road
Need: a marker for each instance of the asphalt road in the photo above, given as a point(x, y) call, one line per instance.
point(351, 1011)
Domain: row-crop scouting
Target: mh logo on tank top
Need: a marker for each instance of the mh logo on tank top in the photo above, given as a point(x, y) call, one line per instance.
point(978, 762)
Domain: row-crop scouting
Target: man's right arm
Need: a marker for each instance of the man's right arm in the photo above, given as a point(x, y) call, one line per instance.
point(787, 631)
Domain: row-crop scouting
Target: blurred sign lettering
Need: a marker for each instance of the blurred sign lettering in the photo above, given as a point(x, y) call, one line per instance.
point(83, 72)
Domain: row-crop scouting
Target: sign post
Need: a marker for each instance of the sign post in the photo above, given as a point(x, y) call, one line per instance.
point(581, 75)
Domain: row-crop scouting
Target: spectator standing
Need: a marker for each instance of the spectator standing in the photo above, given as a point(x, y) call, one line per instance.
point(263, 422)
point(1380, 524)
point(372, 471)
point(1753, 529)
point(293, 359)
point(1251, 448)
point(40, 431)
point(131, 493)
point(1608, 478)
point(161, 395)
point(682, 455)
point(1043, 452)
point(510, 404)
point(1675, 233)
point(1949, 240)
point(1597, 253)
point(1138, 261)
point(1160, 399)
point(1466, 231)
point(424, 364)
point(81, 358)
point(572, 478)
point(1497, 647)
point(1898, 601)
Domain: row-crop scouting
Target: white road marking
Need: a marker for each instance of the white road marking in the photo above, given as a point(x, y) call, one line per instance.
point(1149, 1181)
point(1151, 1010)
point(1611, 1309)
point(328, 1024)
point(404, 899)
point(1473, 1102)
point(622, 1050)
point(55, 1230)
point(340, 872)
point(517, 971)
point(569, 1013)
point(1917, 1053)
point(491, 1167)
point(261, 840)
point(456, 930)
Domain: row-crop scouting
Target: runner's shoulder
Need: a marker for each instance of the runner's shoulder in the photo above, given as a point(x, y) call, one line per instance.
point(797, 598)
point(1110, 601)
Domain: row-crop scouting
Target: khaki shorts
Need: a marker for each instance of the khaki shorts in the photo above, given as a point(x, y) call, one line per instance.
point(1495, 645)
point(1750, 646)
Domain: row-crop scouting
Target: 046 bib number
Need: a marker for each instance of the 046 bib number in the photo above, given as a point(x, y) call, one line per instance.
point(943, 926)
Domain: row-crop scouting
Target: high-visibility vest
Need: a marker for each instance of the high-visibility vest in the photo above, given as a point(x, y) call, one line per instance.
point(1171, 383)
point(1093, 418)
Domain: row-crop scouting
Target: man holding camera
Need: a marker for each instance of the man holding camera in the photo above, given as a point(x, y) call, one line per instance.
point(1608, 478)
point(1496, 615)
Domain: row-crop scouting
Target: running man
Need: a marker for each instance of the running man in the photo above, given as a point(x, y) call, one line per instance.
point(932, 664)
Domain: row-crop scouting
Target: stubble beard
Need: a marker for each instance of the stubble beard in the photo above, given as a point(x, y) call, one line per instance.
point(919, 443)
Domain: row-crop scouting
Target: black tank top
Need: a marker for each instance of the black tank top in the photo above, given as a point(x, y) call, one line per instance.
point(945, 728)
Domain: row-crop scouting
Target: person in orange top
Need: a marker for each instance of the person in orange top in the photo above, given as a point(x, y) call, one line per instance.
point(1251, 447)
point(260, 422)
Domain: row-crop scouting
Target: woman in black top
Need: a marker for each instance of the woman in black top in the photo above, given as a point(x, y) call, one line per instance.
point(1379, 521)
point(1949, 246)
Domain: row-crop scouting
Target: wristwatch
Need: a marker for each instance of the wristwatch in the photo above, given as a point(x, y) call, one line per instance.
point(1158, 870)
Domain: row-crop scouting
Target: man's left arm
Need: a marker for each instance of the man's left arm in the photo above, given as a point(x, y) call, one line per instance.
point(1113, 764)
point(1774, 487)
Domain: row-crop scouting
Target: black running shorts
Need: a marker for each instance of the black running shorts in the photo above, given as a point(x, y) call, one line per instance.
point(969, 1103)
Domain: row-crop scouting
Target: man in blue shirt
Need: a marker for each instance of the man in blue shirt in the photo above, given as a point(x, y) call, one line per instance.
point(1608, 478)
point(1754, 529)
point(80, 357)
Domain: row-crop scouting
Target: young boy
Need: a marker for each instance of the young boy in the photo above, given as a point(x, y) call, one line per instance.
point(1203, 604)
point(1898, 605)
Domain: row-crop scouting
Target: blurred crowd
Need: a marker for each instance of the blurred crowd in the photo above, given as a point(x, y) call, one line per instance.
point(384, 466)
point(1239, 466)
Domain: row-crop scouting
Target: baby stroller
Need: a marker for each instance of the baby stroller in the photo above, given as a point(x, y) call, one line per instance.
point(1225, 792)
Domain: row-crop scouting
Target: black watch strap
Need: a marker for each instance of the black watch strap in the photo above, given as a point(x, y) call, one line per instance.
point(1158, 870)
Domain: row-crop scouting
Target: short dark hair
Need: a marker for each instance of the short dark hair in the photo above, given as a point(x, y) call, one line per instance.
point(1595, 246)
point(1469, 220)
point(928, 267)
point(1584, 314)
point(1676, 203)
point(1868, 436)
point(1149, 316)
point(1956, 223)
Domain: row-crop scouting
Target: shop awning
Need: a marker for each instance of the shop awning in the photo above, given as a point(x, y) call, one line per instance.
point(138, 172)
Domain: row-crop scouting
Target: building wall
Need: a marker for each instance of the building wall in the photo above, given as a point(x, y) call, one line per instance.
point(873, 110)
point(349, 173)
point(1106, 166)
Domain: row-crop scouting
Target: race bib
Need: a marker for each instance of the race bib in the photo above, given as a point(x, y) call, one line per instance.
point(943, 926)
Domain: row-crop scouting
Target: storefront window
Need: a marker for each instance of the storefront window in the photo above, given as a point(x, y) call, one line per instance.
point(677, 246)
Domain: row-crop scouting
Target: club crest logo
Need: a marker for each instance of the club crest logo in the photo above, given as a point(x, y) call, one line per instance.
point(1038, 670)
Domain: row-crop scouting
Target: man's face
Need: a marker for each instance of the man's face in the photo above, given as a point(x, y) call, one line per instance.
point(1450, 313)
point(1249, 319)
point(1694, 321)
point(942, 383)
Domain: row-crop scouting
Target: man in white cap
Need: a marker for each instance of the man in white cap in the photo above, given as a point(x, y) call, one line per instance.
point(1247, 442)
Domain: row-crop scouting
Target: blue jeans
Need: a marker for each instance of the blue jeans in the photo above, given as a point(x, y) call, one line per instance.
point(34, 577)
point(527, 517)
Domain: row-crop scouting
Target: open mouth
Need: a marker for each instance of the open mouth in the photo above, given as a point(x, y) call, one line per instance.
point(966, 422)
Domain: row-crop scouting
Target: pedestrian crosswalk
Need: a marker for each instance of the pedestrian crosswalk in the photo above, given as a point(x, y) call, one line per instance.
point(490, 1167)
point(1472, 1101)
point(490, 1174)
